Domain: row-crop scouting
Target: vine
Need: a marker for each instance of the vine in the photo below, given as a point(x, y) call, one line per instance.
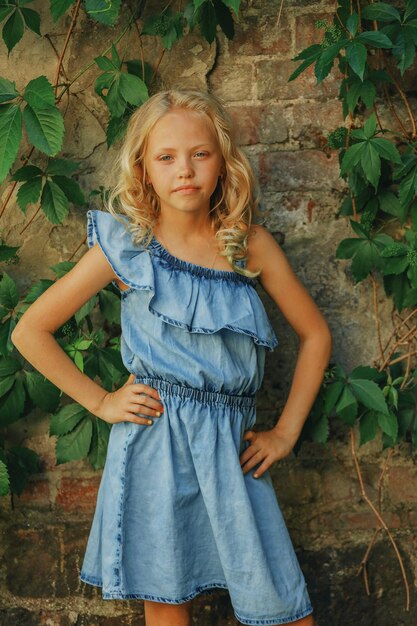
point(373, 44)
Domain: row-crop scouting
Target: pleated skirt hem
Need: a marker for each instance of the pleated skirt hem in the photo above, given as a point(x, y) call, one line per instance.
point(207, 588)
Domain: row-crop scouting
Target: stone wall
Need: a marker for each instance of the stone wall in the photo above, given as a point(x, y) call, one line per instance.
point(283, 127)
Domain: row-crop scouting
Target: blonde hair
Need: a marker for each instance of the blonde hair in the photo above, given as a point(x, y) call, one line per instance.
point(234, 202)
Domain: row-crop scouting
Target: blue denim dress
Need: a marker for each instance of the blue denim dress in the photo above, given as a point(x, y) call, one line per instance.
point(175, 515)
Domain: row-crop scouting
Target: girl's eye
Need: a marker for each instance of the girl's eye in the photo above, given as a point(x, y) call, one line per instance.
point(201, 154)
point(165, 157)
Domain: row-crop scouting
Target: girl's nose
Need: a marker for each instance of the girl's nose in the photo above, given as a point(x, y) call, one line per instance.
point(185, 169)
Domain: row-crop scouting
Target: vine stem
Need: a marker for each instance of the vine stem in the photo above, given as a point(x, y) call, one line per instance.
point(13, 186)
point(67, 38)
point(364, 561)
point(379, 518)
point(400, 341)
point(376, 315)
point(403, 322)
point(406, 104)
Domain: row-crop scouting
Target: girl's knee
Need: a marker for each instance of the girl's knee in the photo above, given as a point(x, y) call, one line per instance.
point(163, 614)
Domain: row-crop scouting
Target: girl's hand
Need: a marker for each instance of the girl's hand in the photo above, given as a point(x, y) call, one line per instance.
point(123, 404)
point(267, 447)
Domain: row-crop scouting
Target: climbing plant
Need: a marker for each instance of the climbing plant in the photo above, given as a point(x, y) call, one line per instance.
point(32, 137)
point(372, 45)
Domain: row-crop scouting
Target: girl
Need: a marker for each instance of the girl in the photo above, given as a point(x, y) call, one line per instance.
point(186, 502)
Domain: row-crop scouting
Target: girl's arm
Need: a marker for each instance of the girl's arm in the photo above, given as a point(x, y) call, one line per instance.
point(33, 337)
point(315, 345)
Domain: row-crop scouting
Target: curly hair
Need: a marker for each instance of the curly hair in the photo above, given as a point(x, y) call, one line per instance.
point(234, 203)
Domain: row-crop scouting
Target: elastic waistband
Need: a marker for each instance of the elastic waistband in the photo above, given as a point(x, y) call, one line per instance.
point(201, 395)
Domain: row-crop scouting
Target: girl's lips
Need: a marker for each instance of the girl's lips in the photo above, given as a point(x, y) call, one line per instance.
point(186, 190)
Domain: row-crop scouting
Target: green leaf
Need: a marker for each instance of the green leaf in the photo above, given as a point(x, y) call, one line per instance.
point(22, 462)
point(114, 99)
point(233, 4)
point(389, 203)
point(5, 10)
point(6, 329)
point(382, 12)
point(38, 289)
point(368, 93)
point(59, 7)
point(32, 20)
point(13, 30)
point(62, 268)
point(375, 38)
point(71, 189)
point(386, 149)
point(347, 248)
point(368, 427)
point(326, 60)
point(4, 479)
point(98, 452)
point(12, 404)
point(9, 296)
point(208, 22)
point(103, 11)
point(319, 431)
point(42, 392)
point(389, 424)
point(352, 23)
point(105, 64)
point(347, 406)
point(39, 93)
point(369, 394)
point(44, 128)
point(332, 394)
point(110, 306)
point(224, 18)
point(76, 444)
point(356, 55)
point(370, 126)
point(10, 136)
point(7, 252)
point(352, 157)
point(86, 309)
point(54, 202)
point(7, 90)
point(26, 173)
point(365, 371)
point(371, 164)
point(29, 192)
point(116, 129)
point(67, 418)
point(132, 89)
point(61, 167)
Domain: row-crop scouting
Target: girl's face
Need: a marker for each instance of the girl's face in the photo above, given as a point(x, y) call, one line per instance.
point(183, 161)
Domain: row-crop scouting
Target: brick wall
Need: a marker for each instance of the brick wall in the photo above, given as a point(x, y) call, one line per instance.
point(283, 128)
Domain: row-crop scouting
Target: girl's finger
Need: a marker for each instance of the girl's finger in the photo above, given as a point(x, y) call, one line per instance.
point(131, 417)
point(261, 469)
point(257, 458)
point(150, 391)
point(139, 409)
point(143, 400)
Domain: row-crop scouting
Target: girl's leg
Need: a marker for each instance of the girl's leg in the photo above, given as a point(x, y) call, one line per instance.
point(306, 621)
point(162, 614)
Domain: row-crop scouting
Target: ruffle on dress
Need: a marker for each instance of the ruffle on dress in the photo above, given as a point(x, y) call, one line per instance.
point(193, 297)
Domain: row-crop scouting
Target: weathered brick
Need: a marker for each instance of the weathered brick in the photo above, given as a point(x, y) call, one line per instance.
point(292, 488)
point(314, 120)
point(32, 558)
point(402, 483)
point(259, 124)
point(36, 494)
point(260, 35)
point(18, 617)
point(78, 493)
point(308, 169)
point(272, 81)
point(233, 82)
point(306, 33)
point(44, 446)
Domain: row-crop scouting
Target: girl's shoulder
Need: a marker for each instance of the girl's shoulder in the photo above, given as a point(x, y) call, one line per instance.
point(261, 244)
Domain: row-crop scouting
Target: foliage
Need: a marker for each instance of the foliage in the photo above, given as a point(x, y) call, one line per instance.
point(32, 131)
